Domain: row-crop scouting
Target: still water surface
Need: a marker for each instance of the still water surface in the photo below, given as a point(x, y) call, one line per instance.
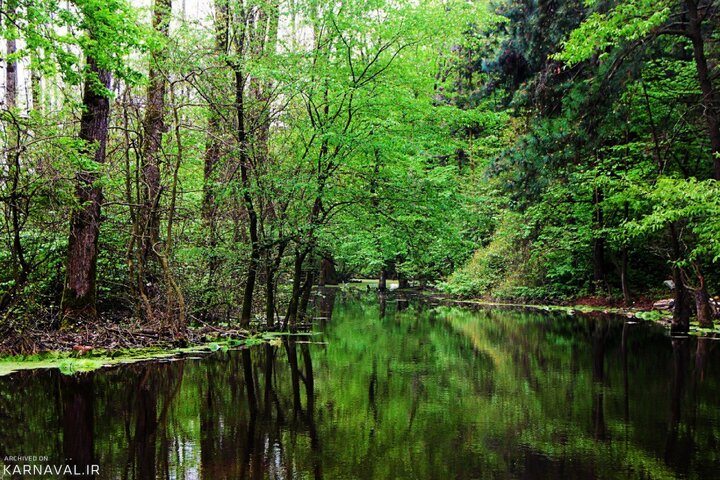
point(391, 390)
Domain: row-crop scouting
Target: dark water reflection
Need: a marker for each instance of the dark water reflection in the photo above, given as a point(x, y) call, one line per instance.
point(391, 390)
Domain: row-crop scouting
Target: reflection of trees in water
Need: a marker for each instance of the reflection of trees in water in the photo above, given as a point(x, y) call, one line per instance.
point(245, 436)
point(599, 341)
point(155, 387)
point(77, 397)
point(413, 388)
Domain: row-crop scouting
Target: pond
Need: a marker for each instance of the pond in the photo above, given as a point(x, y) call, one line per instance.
point(388, 389)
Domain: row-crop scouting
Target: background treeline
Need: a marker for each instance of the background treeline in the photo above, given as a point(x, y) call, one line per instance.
point(610, 184)
point(218, 163)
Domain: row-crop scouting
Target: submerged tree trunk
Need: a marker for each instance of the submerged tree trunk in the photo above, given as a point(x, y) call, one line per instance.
point(709, 96)
point(79, 300)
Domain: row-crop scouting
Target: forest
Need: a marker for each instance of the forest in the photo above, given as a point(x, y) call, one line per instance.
point(168, 164)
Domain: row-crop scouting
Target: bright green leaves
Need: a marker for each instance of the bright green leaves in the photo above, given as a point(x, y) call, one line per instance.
point(57, 34)
point(630, 21)
point(690, 203)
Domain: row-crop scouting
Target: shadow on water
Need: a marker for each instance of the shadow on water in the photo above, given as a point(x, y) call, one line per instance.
point(390, 389)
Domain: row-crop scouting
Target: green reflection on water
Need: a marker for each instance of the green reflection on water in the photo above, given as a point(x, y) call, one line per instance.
point(392, 390)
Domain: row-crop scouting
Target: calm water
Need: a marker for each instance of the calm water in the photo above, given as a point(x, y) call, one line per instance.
point(391, 391)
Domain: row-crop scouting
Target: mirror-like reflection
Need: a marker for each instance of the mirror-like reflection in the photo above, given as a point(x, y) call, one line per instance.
point(390, 389)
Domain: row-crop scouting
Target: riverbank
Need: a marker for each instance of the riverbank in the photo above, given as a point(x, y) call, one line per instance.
point(641, 310)
point(86, 356)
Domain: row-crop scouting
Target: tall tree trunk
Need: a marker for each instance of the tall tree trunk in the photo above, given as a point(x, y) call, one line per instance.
point(79, 300)
point(709, 96)
point(247, 199)
point(153, 126)
point(21, 268)
point(213, 148)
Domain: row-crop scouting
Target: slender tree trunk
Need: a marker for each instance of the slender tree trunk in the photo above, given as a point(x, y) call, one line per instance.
point(21, 268)
point(292, 311)
point(248, 201)
point(627, 298)
point(709, 96)
point(598, 244)
point(79, 299)
point(11, 77)
point(270, 284)
point(382, 282)
point(681, 307)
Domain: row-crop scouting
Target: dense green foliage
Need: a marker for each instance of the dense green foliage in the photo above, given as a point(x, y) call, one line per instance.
point(610, 182)
point(512, 148)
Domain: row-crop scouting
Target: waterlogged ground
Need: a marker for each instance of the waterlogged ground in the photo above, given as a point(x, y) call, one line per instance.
point(387, 391)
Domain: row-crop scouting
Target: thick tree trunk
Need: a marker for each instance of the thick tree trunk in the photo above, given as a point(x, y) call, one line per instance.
point(78, 300)
point(709, 96)
point(153, 126)
point(328, 275)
